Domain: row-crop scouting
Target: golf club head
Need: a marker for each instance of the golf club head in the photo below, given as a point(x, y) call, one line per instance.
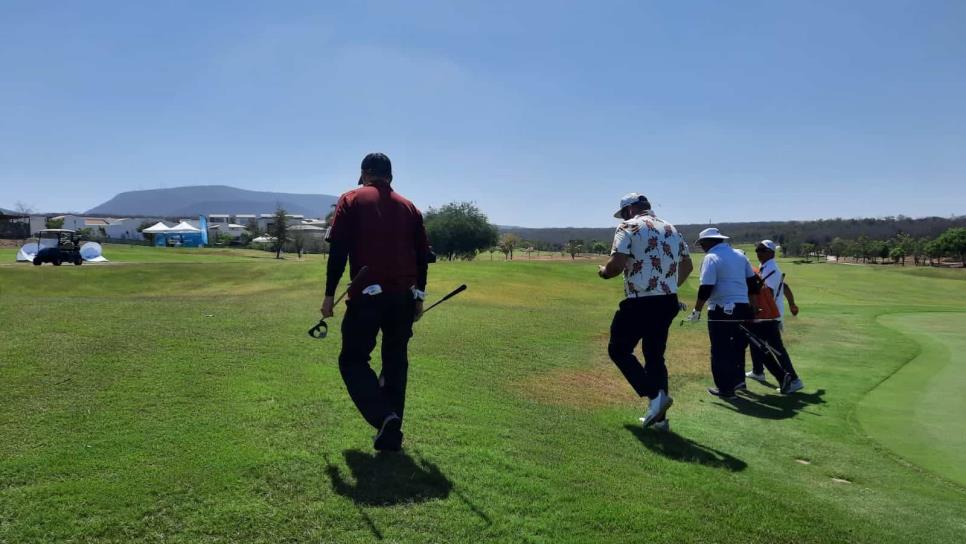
point(320, 330)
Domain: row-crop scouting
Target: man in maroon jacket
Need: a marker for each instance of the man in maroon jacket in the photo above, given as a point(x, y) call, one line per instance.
point(375, 227)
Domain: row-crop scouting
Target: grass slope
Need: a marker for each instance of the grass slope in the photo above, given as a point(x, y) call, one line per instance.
point(915, 411)
point(182, 401)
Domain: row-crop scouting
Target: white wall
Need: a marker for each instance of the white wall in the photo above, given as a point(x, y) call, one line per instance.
point(126, 229)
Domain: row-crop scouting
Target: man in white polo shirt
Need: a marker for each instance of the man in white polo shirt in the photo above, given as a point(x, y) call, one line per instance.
point(726, 280)
point(654, 259)
point(770, 330)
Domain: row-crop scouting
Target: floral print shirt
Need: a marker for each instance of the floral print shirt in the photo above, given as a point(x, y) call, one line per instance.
point(653, 248)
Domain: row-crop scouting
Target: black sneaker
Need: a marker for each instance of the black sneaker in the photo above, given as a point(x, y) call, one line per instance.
point(390, 436)
point(786, 383)
point(728, 395)
point(742, 386)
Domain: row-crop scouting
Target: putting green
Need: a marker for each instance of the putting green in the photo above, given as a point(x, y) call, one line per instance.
point(917, 412)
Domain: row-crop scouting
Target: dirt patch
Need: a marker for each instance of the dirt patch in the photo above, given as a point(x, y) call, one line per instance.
point(600, 383)
point(11, 244)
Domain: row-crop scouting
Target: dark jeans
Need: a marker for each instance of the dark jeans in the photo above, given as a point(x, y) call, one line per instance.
point(645, 320)
point(365, 317)
point(728, 345)
point(770, 332)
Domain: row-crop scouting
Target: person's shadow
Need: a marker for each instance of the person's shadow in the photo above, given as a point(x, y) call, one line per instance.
point(775, 406)
point(678, 448)
point(385, 479)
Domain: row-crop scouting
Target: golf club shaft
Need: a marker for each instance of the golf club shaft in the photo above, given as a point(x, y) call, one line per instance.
point(359, 277)
point(455, 292)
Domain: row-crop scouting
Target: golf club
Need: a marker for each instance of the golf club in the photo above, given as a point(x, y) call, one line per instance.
point(321, 329)
point(455, 292)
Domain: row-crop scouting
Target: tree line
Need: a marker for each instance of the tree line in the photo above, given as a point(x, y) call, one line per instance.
point(951, 244)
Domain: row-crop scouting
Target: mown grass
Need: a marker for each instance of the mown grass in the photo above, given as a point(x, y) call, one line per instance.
point(176, 397)
point(915, 410)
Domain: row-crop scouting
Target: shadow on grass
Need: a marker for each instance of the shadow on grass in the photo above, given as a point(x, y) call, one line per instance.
point(775, 406)
point(678, 448)
point(386, 479)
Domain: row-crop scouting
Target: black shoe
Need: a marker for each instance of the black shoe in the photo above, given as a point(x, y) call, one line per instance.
point(742, 386)
point(728, 395)
point(390, 436)
point(786, 383)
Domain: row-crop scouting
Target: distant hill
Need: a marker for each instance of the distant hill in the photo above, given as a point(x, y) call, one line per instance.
point(819, 232)
point(208, 199)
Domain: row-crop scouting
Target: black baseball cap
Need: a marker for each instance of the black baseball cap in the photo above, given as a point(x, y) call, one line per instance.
point(377, 164)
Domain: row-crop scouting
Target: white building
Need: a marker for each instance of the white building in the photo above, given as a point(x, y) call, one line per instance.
point(231, 229)
point(127, 228)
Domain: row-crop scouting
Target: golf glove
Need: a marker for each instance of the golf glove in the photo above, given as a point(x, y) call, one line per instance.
point(694, 316)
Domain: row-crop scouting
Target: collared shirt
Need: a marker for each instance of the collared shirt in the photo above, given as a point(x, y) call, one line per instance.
point(383, 231)
point(653, 248)
point(772, 275)
point(728, 270)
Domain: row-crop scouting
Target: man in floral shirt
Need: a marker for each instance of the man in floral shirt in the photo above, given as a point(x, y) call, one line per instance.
point(654, 259)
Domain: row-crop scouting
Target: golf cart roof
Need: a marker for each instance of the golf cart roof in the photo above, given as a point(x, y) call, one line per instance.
point(57, 231)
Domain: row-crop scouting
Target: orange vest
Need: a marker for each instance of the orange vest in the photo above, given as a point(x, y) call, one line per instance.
point(764, 302)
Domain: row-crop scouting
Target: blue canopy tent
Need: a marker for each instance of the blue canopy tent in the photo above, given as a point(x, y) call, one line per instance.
point(183, 235)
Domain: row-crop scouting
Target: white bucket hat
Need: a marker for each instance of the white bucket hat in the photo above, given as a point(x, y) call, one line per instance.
point(711, 233)
point(630, 198)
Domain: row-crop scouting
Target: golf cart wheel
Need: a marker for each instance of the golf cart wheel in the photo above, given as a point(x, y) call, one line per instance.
point(57, 262)
point(37, 261)
point(78, 261)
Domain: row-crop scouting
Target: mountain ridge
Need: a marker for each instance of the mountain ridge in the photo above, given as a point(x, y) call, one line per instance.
point(208, 199)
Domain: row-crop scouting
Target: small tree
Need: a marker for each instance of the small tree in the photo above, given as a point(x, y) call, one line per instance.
point(897, 254)
point(298, 241)
point(953, 243)
point(918, 250)
point(934, 251)
point(880, 250)
point(279, 231)
point(459, 230)
point(599, 248)
point(807, 249)
point(573, 248)
point(838, 247)
point(507, 243)
point(55, 223)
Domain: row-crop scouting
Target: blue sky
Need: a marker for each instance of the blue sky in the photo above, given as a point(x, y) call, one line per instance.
point(544, 113)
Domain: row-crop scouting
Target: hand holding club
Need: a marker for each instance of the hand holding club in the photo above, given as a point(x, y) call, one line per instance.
point(328, 307)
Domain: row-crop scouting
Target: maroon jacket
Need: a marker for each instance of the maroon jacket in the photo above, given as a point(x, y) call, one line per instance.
point(382, 230)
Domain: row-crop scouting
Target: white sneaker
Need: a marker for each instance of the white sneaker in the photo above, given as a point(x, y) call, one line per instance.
point(756, 377)
point(657, 408)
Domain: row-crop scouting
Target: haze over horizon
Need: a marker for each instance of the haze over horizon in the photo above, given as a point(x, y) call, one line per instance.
point(544, 115)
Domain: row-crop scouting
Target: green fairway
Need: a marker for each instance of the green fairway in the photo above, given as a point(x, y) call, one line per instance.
point(174, 396)
point(919, 411)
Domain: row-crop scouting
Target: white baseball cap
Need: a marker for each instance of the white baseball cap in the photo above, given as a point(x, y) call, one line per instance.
point(630, 198)
point(711, 233)
point(767, 244)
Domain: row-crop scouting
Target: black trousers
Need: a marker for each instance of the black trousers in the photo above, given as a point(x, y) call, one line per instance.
point(365, 317)
point(728, 345)
point(770, 332)
point(645, 320)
